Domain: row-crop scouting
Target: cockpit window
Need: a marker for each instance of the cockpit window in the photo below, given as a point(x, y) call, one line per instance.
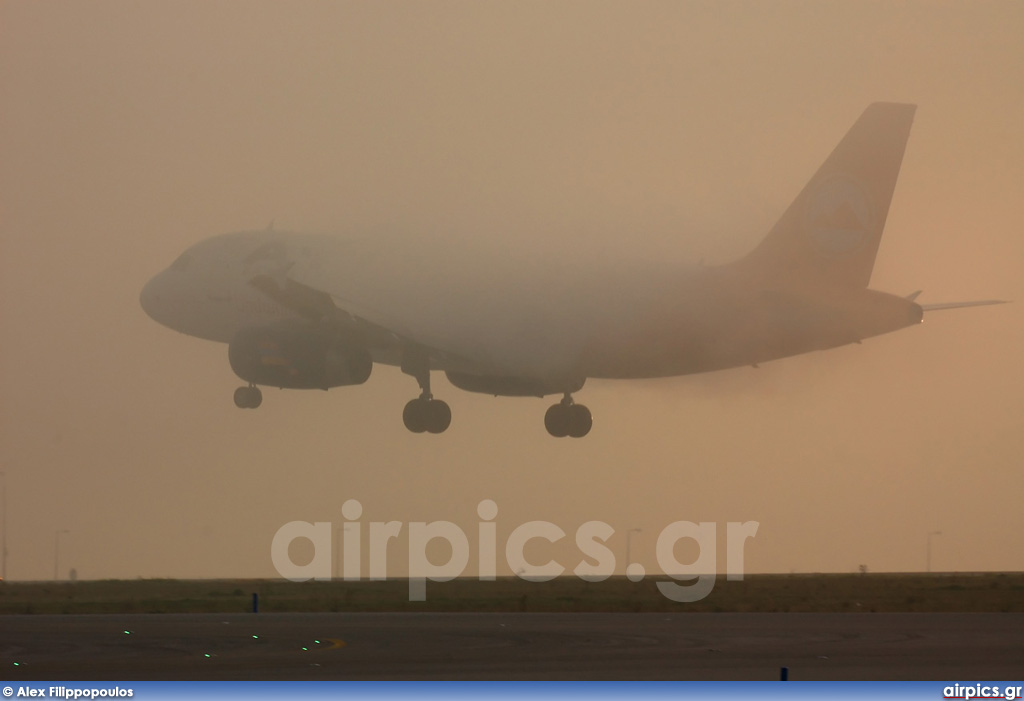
point(182, 262)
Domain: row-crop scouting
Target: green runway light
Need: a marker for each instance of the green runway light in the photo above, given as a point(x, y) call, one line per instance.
point(207, 655)
point(127, 632)
point(317, 642)
point(255, 637)
point(305, 648)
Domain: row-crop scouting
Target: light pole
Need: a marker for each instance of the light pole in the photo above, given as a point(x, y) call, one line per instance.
point(629, 543)
point(336, 555)
point(3, 543)
point(928, 564)
point(56, 551)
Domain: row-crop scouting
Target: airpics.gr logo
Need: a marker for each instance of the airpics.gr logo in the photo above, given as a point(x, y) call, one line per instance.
point(981, 691)
point(839, 216)
point(596, 561)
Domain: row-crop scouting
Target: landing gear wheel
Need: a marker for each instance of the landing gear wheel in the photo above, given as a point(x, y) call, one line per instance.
point(580, 421)
point(556, 420)
point(248, 397)
point(415, 416)
point(439, 416)
point(424, 414)
point(568, 419)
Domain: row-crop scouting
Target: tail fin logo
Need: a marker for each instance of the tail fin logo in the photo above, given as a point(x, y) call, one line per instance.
point(839, 216)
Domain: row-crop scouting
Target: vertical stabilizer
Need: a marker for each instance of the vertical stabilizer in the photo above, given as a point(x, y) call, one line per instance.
point(829, 235)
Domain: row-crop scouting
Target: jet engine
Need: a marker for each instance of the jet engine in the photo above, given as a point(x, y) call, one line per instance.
point(297, 356)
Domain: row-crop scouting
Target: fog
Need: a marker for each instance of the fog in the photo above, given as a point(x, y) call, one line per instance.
point(591, 132)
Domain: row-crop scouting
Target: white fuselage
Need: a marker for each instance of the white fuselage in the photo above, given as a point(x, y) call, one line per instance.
point(489, 317)
point(313, 311)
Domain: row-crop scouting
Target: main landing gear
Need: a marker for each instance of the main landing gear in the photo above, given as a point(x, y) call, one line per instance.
point(248, 397)
point(568, 419)
point(424, 414)
point(427, 414)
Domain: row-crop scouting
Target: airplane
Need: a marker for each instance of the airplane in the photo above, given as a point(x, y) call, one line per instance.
point(315, 311)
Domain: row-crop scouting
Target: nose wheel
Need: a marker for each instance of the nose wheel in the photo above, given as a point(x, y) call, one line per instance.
point(248, 397)
point(568, 418)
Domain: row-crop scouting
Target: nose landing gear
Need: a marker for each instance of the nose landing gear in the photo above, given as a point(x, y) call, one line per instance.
point(568, 418)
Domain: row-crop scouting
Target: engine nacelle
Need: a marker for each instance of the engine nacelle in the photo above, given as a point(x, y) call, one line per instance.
point(297, 356)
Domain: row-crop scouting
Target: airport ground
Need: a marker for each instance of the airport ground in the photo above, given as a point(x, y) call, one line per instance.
point(874, 626)
point(764, 593)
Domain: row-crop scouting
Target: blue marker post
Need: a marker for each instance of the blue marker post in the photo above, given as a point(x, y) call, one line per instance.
point(255, 602)
point(784, 674)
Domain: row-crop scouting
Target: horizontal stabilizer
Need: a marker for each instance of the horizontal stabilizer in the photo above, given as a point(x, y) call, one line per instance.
point(957, 305)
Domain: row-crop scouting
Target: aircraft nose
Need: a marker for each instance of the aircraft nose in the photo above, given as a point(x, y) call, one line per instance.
point(149, 298)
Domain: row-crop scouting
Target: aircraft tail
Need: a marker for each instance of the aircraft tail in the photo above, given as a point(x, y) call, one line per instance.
point(829, 235)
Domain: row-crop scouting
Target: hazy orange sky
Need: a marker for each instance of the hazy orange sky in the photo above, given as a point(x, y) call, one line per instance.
point(655, 130)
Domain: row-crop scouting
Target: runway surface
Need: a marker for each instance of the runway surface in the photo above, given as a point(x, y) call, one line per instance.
point(911, 646)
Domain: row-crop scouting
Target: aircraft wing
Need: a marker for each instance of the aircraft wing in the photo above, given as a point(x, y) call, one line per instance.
point(482, 318)
point(317, 305)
